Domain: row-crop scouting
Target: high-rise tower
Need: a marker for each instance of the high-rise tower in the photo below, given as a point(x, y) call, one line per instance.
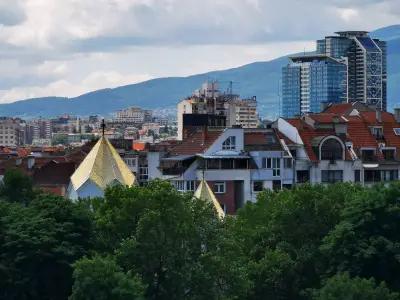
point(366, 65)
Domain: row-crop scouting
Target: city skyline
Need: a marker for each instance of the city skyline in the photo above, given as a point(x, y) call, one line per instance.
point(69, 48)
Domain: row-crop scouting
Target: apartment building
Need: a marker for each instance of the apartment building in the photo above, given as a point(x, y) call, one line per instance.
point(345, 143)
point(133, 115)
point(210, 107)
point(236, 163)
point(12, 132)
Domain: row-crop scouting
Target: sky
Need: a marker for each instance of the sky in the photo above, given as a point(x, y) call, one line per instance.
point(70, 47)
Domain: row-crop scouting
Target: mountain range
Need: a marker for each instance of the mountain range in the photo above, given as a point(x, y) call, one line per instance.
point(259, 79)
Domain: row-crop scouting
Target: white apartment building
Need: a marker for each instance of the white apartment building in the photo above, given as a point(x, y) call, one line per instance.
point(133, 115)
point(12, 132)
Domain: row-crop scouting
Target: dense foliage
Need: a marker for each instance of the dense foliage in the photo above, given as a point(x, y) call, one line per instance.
point(312, 242)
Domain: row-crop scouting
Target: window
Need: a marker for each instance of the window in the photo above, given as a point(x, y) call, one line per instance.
point(357, 175)
point(276, 166)
point(287, 163)
point(191, 185)
point(179, 185)
point(229, 143)
point(331, 149)
point(257, 186)
point(273, 163)
point(303, 176)
point(377, 132)
point(388, 154)
point(266, 163)
point(143, 173)
point(380, 175)
point(331, 176)
point(213, 163)
point(368, 154)
point(219, 187)
point(396, 131)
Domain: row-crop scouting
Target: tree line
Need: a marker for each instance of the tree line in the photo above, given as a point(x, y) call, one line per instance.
point(316, 242)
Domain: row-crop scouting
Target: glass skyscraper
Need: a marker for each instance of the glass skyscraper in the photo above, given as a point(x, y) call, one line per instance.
point(366, 65)
point(309, 81)
point(348, 67)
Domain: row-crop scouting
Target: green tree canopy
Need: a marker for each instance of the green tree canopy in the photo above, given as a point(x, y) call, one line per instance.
point(366, 242)
point(342, 287)
point(282, 233)
point(17, 187)
point(176, 243)
point(100, 278)
point(39, 243)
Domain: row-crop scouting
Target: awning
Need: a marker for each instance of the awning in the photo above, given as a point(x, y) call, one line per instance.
point(370, 166)
point(224, 156)
point(178, 157)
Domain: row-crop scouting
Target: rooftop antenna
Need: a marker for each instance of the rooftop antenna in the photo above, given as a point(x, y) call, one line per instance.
point(103, 127)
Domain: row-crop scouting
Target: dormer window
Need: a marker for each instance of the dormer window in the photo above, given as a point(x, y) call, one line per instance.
point(388, 154)
point(368, 154)
point(332, 149)
point(377, 132)
point(229, 143)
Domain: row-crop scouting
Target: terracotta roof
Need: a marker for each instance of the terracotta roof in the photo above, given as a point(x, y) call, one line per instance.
point(261, 140)
point(326, 118)
point(54, 173)
point(338, 108)
point(308, 134)
point(358, 132)
point(197, 142)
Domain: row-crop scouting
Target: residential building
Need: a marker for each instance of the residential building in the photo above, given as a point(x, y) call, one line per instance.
point(366, 65)
point(236, 163)
point(12, 132)
point(210, 107)
point(345, 143)
point(133, 115)
point(310, 81)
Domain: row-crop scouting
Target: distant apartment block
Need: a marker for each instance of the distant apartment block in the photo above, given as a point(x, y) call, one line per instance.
point(208, 106)
point(133, 115)
point(349, 67)
point(12, 132)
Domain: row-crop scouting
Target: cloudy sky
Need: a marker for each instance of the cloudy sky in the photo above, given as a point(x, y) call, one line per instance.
point(69, 47)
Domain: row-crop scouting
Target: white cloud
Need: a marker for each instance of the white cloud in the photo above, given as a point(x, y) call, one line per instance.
point(51, 47)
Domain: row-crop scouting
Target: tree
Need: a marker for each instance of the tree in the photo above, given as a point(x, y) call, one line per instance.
point(17, 187)
point(342, 287)
point(176, 243)
point(39, 243)
point(282, 233)
point(100, 278)
point(366, 242)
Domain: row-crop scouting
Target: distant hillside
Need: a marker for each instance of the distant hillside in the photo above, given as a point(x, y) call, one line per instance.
point(259, 79)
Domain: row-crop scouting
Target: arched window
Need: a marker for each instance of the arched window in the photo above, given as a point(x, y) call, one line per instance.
point(331, 149)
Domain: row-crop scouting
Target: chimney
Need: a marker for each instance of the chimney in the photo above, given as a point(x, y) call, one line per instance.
point(378, 115)
point(397, 114)
point(204, 133)
point(31, 162)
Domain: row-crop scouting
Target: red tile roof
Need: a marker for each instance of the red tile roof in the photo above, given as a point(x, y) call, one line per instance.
point(339, 108)
point(358, 131)
point(197, 142)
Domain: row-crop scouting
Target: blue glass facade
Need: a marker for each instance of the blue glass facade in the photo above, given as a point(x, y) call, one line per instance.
point(309, 81)
point(291, 91)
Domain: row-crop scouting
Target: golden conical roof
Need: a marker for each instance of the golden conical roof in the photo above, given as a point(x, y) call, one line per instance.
point(205, 193)
point(103, 166)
